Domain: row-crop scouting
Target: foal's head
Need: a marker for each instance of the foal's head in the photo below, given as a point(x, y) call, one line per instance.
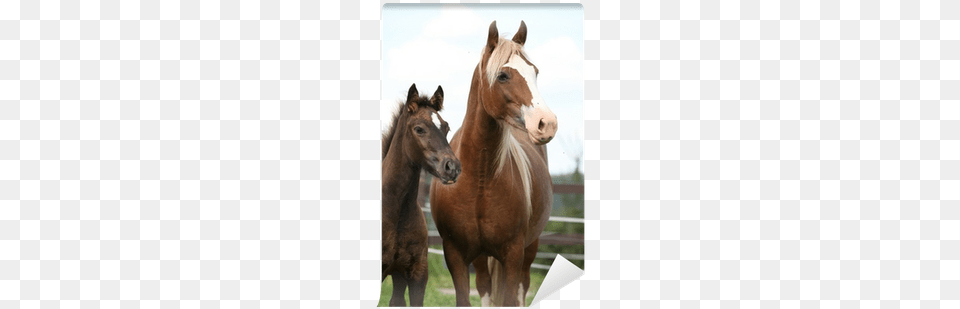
point(509, 86)
point(426, 132)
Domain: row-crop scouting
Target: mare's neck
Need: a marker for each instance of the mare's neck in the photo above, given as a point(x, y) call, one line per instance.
point(482, 134)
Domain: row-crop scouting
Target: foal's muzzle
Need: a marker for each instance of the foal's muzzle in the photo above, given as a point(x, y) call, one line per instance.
point(450, 170)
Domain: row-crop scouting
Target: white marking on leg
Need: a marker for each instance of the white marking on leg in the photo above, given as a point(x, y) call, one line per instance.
point(521, 296)
point(485, 300)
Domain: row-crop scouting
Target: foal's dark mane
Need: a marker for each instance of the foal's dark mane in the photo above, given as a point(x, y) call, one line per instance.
point(387, 138)
point(391, 131)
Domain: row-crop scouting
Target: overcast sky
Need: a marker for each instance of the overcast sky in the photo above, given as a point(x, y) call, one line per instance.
point(433, 45)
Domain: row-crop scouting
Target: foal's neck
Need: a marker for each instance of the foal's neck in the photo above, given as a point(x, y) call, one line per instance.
point(401, 177)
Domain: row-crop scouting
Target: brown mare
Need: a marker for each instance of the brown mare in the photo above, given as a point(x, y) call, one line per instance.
point(494, 214)
point(415, 141)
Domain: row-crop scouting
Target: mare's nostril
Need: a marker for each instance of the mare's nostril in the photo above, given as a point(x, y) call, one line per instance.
point(541, 125)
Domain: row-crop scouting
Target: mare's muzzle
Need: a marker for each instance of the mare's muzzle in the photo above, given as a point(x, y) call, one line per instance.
point(541, 124)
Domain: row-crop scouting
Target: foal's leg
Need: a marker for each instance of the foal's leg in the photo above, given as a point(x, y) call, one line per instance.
point(418, 280)
point(483, 279)
point(386, 259)
point(459, 271)
point(399, 288)
point(418, 288)
point(388, 247)
point(528, 255)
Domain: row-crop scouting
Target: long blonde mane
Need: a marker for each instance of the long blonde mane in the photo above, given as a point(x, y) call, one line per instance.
point(510, 148)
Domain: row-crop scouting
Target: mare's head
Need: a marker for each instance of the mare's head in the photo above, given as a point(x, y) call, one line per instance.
point(508, 86)
point(426, 135)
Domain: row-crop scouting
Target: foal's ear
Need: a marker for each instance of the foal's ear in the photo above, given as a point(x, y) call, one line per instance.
point(437, 99)
point(493, 36)
point(412, 94)
point(521, 35)
point(412, 97)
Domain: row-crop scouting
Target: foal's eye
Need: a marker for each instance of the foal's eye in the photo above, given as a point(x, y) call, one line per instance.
point(502, 77)
point(419, 130)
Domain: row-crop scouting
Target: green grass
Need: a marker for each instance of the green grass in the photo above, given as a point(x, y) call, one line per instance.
point(440, 278)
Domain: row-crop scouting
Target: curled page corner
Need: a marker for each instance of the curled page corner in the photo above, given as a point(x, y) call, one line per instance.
point(561, 273)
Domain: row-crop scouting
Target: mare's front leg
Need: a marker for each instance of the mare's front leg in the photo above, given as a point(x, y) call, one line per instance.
point(399, 288)
point(483, 279)
point(512, 269)
point(528, 256)
point(459, 271)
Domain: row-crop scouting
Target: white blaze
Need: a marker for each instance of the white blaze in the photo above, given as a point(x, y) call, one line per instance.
point(436, 121)
point(530, 76)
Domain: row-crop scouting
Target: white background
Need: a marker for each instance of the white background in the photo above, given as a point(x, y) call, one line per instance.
point(739, 154)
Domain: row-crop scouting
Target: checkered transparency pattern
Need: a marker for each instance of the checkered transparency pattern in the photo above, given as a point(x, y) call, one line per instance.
point(764, 154)
point(191, 154)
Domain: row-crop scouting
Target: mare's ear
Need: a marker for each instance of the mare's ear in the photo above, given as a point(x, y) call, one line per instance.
point(412, 97)
point(437, 99)
point(493, 37)
point(521, 35)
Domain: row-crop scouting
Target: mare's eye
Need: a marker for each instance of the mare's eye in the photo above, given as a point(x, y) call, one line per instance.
point(502, 77)
point(419, 130)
